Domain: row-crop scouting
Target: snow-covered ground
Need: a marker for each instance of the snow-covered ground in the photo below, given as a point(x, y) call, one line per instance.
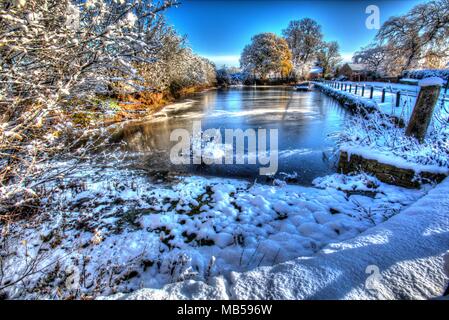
point(108, 229)
point(406, 257)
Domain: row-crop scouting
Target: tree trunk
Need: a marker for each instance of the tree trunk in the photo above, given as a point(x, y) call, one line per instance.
point(423, 111)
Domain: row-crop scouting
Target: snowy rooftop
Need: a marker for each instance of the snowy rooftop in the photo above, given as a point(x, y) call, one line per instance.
point(316, 70)
point(357, 66)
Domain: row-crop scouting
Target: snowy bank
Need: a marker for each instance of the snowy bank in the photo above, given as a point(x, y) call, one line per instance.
point(111, 229)
point(432, 81)
point(374, 137)
point(401, 258)
point(393, 160)
point(346, 98)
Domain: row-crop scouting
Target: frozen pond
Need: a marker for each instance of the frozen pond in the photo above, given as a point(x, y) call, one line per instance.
point(306, 122)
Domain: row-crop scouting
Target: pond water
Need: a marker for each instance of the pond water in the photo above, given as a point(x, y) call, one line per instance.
point(306, 123)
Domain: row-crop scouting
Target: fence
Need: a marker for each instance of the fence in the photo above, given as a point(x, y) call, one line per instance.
point(380, 94)
point(395, 100)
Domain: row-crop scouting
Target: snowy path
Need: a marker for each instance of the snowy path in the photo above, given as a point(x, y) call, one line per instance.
point(407, 250)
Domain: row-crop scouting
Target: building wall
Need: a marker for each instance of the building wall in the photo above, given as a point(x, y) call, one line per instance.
point(346, 71)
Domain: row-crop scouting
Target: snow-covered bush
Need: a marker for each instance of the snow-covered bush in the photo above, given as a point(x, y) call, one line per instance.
point(191, 70)
point(230, 76)
point(378, 133)
point(55, 54)
point(175, 66)
point(421, 74)
point(267, 55)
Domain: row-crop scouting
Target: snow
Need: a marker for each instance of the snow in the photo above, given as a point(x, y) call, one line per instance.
point(402, 258)
point(409, 81)
point(350, 97)
point(121, 231)
point(408, 96)
point(376, 137)
point(386, 158)
point(432, 81)
point(388, 107)
point(389, 85)
point(130, 19)
point(113, 230)
point(426, 73)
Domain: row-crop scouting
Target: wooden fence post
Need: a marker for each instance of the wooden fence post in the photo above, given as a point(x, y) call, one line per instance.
point(383, 95)
point(350, 88)
point(398, 98)
point(425, 104)
point(371, 93)
point(363, 90)
point(355, 89)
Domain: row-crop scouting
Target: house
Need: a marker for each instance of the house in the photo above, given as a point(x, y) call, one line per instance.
point(354, 71)
point(315, 73)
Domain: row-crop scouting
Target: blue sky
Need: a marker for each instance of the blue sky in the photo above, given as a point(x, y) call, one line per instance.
point(219, 29)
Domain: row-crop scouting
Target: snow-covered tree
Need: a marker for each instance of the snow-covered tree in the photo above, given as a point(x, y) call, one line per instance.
point(267, 54)
point(417, 39)
point(328, 57)
point(53, 52)
point(304, 38)
point(55, 49)
point(159, 73)
point(189, 70)
point(175, 66)
point(373, 56)
point(229, 76)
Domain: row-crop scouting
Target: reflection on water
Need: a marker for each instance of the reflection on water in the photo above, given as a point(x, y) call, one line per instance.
point(304, 120)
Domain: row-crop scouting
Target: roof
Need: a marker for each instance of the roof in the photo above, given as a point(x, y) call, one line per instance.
point(316, 70)
point(357, 66)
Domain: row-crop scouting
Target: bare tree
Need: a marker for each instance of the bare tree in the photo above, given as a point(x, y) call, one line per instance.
point(304, 38)
point(373, 57)
point(51, 53)
point(417, 38)
point(328, 57)
point(401, 37)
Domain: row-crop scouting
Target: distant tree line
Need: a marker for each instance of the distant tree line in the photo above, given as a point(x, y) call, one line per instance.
point(291, 56)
